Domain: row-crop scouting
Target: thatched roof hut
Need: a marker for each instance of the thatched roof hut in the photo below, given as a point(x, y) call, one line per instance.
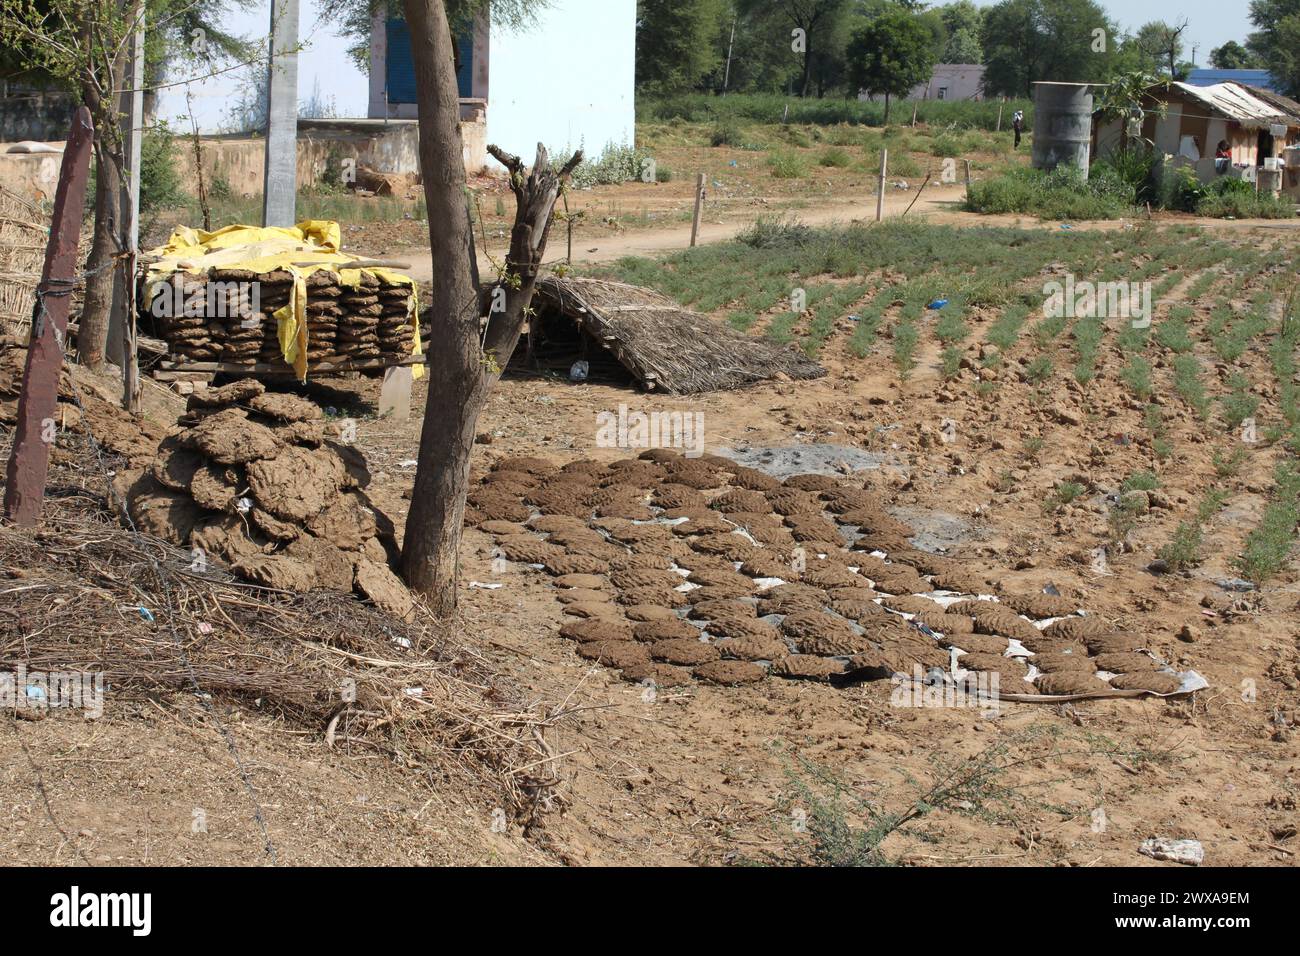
point(661, 345)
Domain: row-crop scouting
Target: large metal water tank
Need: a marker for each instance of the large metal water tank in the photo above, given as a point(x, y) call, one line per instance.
point(1062, 125)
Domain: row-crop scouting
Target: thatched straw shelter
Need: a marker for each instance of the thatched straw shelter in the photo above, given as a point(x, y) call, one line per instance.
point(24, 230)
point(662, 346)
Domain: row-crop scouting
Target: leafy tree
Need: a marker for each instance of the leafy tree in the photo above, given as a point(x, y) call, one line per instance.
point(1277, 42)
point(932, 21)
point(1233, 56)
point(961, 15)
point(1162, 44)
point(82, 46)
point(1125, 98)
point(963, 46)
point(891, 55)
point(761, 59)
point(1026, 41)
point(816, 21)
point(676, 43)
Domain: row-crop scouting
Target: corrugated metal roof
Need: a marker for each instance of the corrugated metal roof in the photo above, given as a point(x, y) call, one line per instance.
point(1233, 101)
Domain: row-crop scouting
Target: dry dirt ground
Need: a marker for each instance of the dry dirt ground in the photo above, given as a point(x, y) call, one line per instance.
point(713, 775)
point(708, 774)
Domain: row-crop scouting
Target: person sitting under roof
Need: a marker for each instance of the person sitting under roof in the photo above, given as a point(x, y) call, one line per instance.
point(1222, 157)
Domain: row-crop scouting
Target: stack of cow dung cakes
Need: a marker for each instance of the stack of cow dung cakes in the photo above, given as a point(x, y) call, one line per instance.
point(179, 308)
point(358, 336)
point(396, 331)
point(228, 315)
point(245, 301)
point(323, 313)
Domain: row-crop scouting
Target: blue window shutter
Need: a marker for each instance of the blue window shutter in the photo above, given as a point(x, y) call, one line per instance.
point(465, 75)
point(400, 78)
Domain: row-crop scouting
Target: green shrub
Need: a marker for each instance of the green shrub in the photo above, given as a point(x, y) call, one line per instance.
point(617, 163)
point(1060, 194)
point(219, 188)
point(1140, 481)
point(945, 146)
point(775, 233)
point(1269, 544)
point(726, 134)
point(1180, 190)
point(1234, 199)
point(787, 166)
point(835, 157)
point(160, 183)
point(827, 112)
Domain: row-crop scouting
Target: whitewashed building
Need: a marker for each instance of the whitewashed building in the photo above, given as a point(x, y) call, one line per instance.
point(566, 80)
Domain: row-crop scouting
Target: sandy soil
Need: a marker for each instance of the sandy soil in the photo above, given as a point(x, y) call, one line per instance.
point(713, 775)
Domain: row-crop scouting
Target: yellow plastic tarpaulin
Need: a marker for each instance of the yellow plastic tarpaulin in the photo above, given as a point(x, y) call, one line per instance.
point(300, 250)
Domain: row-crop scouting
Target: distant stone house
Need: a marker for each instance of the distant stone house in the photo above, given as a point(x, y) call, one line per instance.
point(948, 81)
point(566, 80)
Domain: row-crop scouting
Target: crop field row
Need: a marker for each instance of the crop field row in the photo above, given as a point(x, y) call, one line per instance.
point(1202, 351)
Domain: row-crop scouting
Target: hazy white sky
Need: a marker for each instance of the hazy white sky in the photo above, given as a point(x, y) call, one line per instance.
point(324, 60)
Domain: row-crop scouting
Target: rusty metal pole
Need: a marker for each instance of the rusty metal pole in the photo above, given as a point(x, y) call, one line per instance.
point(29, 461)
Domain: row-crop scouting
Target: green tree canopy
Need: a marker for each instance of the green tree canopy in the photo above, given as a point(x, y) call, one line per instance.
point(1277, 42)
point(1233, 56)
point(676, 43)
point(1055, 40)
point(962, 21)
point(890, 55)
point(1161, 44)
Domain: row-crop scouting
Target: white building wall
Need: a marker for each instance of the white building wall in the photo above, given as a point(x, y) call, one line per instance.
point(566, 81)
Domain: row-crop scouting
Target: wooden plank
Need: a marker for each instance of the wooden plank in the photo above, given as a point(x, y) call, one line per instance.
point(29, 460)
point(279, 368)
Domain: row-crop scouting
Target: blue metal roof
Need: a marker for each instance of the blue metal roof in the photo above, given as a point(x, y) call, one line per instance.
point(1208, 77)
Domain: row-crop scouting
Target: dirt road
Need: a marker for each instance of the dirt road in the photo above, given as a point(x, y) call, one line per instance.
point(937, 204)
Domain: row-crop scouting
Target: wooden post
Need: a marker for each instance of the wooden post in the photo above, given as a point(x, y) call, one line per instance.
point(131, 215)
point(120, 344)
point(880, 192)
point(914, 105)
point(699, 209)
point(999, 129)
point(29, 460)
point(967, 162)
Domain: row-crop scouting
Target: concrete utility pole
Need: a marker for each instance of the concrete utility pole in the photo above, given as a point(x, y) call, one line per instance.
point(280, 182)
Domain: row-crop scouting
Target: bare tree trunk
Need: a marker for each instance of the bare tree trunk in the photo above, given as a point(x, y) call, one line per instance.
point(461, 371)
point(536, 193)
point(97, 306)
point(92, 331)
point(807, 65)
point(457, 385)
